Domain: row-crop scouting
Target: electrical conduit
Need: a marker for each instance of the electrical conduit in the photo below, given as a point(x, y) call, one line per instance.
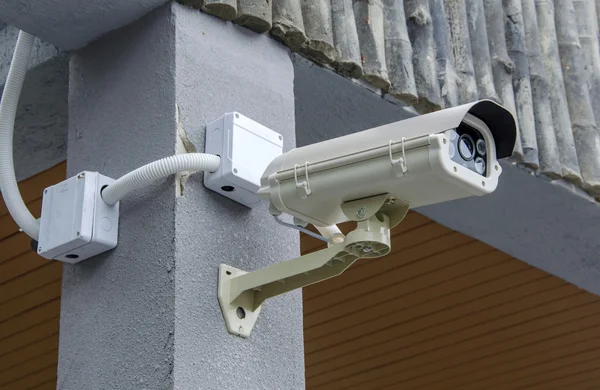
point(167, 166)
point(8, 109)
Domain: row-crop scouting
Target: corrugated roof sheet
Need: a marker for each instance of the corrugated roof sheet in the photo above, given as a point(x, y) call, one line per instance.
point(540, 58)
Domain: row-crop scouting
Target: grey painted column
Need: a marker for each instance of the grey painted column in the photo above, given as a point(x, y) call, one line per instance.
point(146, 315)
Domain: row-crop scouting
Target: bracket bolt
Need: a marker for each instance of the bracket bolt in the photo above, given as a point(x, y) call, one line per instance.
point(81, 176)
point(367, 249)
point(360, 213)
point(391, 201)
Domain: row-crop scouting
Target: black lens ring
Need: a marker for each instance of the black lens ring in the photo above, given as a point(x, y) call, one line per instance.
point(481, 141)
point(470, 139)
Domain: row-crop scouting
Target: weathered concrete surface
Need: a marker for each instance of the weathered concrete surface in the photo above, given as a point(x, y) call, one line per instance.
point(460, 42)
point(585, 130)
point(345, 37)
point(369, 24)
point(319, 31)
point(531, 218)
point(548, 154)
point(502, 65)
point(517, 49)
point(558, 99)
point(398, 52)
point(254, 14)
point(223, 9)
point(587, 26)
point(443, 54)
point(40, 138)
point(146, 314)
point(288, 24)
point(420, 30)
point(480, 49)
point(71, 24)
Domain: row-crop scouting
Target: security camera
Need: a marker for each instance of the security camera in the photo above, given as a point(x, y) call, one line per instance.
point(372, 177)
point(428, 159)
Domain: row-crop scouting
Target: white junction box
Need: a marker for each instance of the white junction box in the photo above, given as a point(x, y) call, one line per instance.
point(76, 224)
point(246, 148)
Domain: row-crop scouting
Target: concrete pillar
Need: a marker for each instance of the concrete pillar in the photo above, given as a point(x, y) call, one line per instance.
point(146, 314)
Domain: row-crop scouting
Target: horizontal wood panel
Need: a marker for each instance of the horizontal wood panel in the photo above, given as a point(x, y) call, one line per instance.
point(35, 298)
point(456, 373)
point(462, 339)
point(30, 288)
point(442, 321)
point(442, 267)
point(580, 352)
point(7, 224)
point(49, 385)
point(34, 379)
point(446, 312)
point(29, 367)
point(30, 336)
point(406, 249)
point(13, 246)
point(30, 318)
point(13, 269)
point(32, 188)
point(45, 272)
point(15, 358)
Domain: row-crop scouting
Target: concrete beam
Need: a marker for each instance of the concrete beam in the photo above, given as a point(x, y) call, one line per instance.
point(548, 224)
point(40, 139)
point(146, 314)
point(71, 24)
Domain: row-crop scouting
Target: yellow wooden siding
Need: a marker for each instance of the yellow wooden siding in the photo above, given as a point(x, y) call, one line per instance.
point(444, 311)
point(30, 288)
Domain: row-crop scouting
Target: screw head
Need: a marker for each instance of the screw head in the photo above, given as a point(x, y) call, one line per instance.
point(241, 328)
point(391, 201)
point(367, 249)
point(360, 213)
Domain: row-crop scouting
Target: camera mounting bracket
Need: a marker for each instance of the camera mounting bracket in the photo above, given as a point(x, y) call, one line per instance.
point(241, 293)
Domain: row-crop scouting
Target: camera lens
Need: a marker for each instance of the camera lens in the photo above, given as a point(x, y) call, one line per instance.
point(480, 165)
point(480, 146)
point(466, 147)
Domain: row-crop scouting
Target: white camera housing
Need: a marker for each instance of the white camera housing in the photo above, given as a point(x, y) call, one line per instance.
point(410, 159)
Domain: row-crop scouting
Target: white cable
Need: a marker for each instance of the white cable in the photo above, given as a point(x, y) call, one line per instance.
point(300, 228)
point(145, 175)
point(8, 109)
point(331, 232)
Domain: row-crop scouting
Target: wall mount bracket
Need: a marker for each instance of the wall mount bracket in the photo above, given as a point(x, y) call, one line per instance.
point(242, 293)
